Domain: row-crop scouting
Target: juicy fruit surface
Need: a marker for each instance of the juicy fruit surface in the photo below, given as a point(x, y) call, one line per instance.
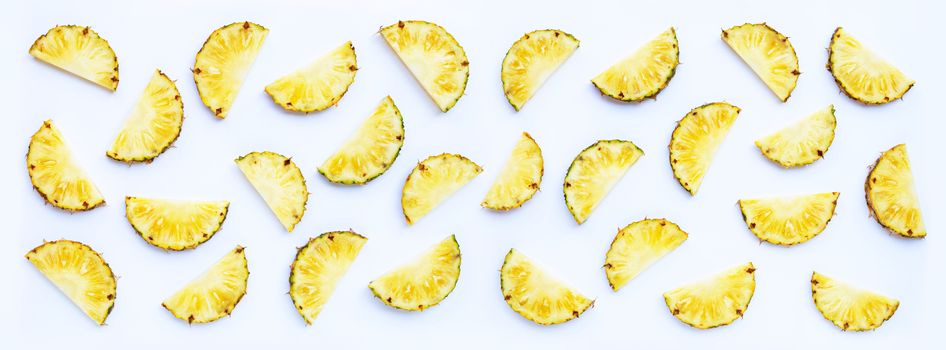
point(863, 75)
point(850, 308)
point(433, 56)
point(174, 224)
point(223, 63)
point(319, 85)
point(371, 150)
point(644, 73)
point(56, 174)
point(536, 295)
point(639, 245)
point(520, 177)
point(279, 181)
point(803, 142)
point(891, 196)
point(594, 172)
point(531, 61)
point(214, 293)
point(432, 181)
point(695, 141)
point(714, 302)
point(769, 54)
point(80, 51)
point(423, 282)
point(318, 267)
point(789, 220)
point(80, 273)
point(153, 125)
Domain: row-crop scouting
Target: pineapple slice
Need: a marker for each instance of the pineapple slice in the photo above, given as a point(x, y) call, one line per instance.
point(714, 302)
point(537, 295)
point(863, 75)
point(695, 141)
point(769, 54)
point(803, 142)
point(432, 181)
point(318, 267)
point(520, 177)
point(214, 293)
point(174, 224)
point(639, 245)
point(56, 174)
point(850, 308)
point(433, 56)
point(80, 51)
point(153, 125)
point(531, 61)
point(223, 63)
point(371, 151)
point(789, 220)
point(279, 181)
point(319, 85)
point(594, 172)
point(423, 282)
point(891, 196)
point(643, 74)
point(80, 273)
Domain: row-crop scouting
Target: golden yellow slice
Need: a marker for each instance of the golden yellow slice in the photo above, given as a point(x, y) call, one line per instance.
point(213, 294)
point(432, 181)
point(423, 282)
point(520, 177)
point(695, 140)
point(175, 224)
point(56, 174)
point(717, 301)
point(531, 61)
point(371, 150)
point(891, 195)
point(594, 172)
point(80, 273)
point(433, 56)
point(644, 73)
point(789, 220)
point(319, 85)
point(863, 75)
point(537, 295)
point(154, 124)
point(803, 142)
point(769, 54)
point(318, 267)
point(639, 245)
point(850, 308)
point(80, 51)
point(279, 181)
point(223, 63)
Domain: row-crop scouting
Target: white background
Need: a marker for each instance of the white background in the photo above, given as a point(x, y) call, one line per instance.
point(565, 116)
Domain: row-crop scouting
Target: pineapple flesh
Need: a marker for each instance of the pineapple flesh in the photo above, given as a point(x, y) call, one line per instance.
point(714, 302)
point(80, 51)
point(644, 73)
point(154, 124)
point(531, 61)
point(639, 245)
point(424, 282)
point(695, 140)
point(769, 54)
point(850, 308)
point(319, 85)
point(863, 75)
point(318, 267)
point(520, 177)
point(279, 181)
point(213, 294)
point(594, 172)
point(789, 220)
point(78, 272)
point(537, 295)
point(371, 150)
point(803, 142)
point(224, 62)
point(56, 174)
point(433, 56)
point(432, 181)
point(175, 224)
point(891, 195)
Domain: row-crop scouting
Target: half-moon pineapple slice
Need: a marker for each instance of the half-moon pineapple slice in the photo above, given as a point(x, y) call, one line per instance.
point(433, 56)
point(56, 174)
point(531, 61)
point(279, 181)
point(594, 172)
point(644, 73)
point(371, 150)
point(803, 142)
point(154, 124)
point(213, 294)
point(695, 140)
point(80, 51)
point(520, 177)
point(717, 301)
point(769, 54)
point(891, 197)
point(175, 224)
point(639, 245)
point(80, 273)
point(223, 63)
point(537, 295)
point(423, 282)
point(319, 85)
point(432, 181)
point(850, 308)
point(789, 220)
point(318, 267)
point(863, 75)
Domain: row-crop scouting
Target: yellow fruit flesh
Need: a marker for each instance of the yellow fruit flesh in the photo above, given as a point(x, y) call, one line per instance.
point(769, 54)
point(850, 308)
point(432, 181)
point(318, 267)
point(695, 140)
point(319, 85)
point(644, 73)
point(531, 61)
point(520, 177)
point(789, 220)
point(594, 172)
point(536, 295)
point(423, 282)
point(213, 294)
point(174, 224)
point(891, 195)
point(714, 302)
point(433, 56)
point(56, 174)
point(371, 150)
point(863, 75)
point(279, 181)
point(80, 51)
point(639, 245)
point(223, 63)
point(153, 125)
point(803, 142)
point(80, 273)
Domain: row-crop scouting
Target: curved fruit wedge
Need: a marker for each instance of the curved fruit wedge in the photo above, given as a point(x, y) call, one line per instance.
point(537, 295)
point(56, 174)
point(863, 75)
point(594, 172)
point(789, 220)
point(80, 273)
point(319, 85)
point(214, 293)
point(891, 196)
point(639, 245)
point(769, 54)
point(433, 56)
point(371, 150)
point(423, 282)
point(531, 61)
point(803, 142)
point(695, 140)
point(223, 63)
point(279, 181)
point(520, 177)
point(154, 124)
point(174, 224)
point(644, 73)
point(714, 302)
point(432, 181)
point(80, 51)
point(848, 307)
point(318, 267)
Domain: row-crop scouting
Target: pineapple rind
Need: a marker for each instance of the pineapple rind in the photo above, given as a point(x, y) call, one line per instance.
point(386, 113)
point(803, 142)
point(437, 270)
point(450, 171)
point(519, 79)
point(212, 284)
point(850, 308)
point(284, 90)
point(449, 89)
point(585, 202)
point(896, 82)
point(100, 312)
point(719, 300)
point(789, 220)
point(171, 108)
point(201, 229)
point(781, 81)
point(301, 274)
point(107, 74)
point(519, 179)
point(639, 245)
point(250, 46)
point(891, 169)
point(289, 205)
point(701, 155)
point(557, 302)
point(630, 64)
point(42, 156)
